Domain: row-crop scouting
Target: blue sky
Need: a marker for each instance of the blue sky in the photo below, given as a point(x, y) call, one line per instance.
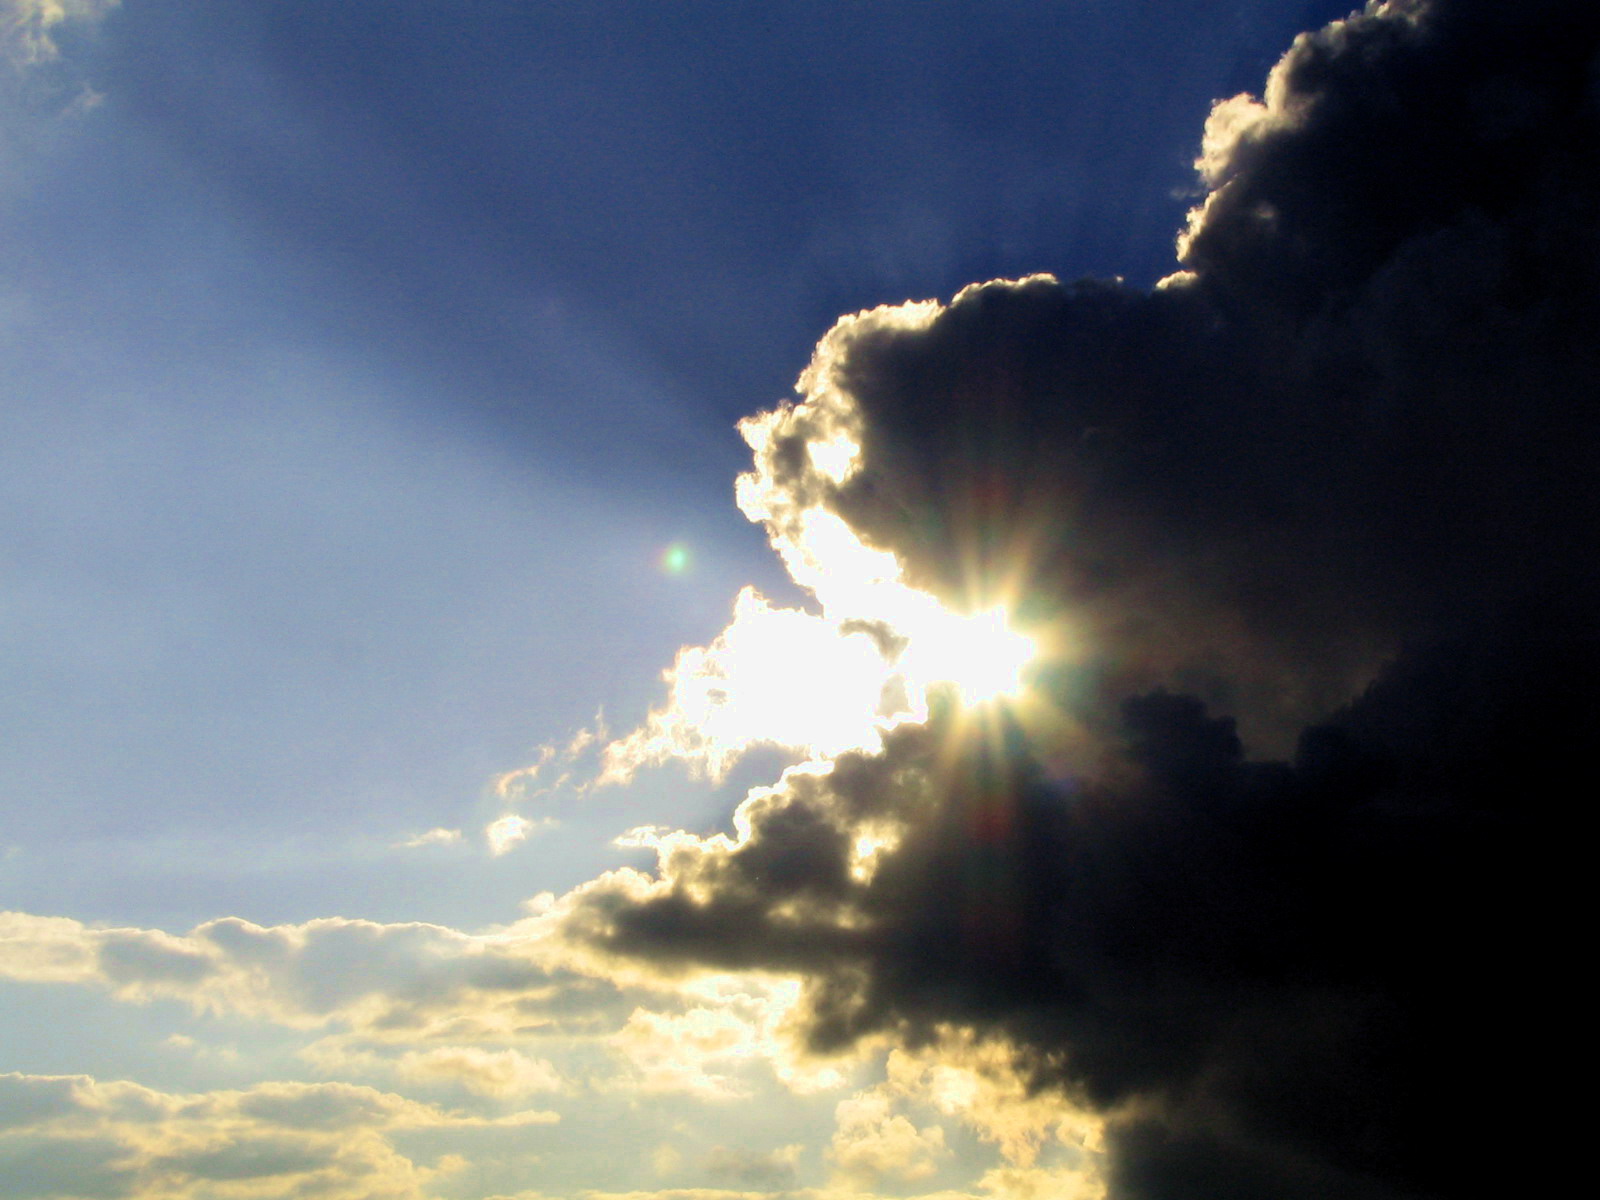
point(362, 362)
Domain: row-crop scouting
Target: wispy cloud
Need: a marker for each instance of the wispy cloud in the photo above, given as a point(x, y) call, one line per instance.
point(433, 837)
point(28, 27)
point(500, 1073)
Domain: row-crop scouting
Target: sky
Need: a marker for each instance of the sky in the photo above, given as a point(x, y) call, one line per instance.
point(793, 601)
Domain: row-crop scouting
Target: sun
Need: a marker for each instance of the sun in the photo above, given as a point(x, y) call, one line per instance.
point(826, 682)
point(979, 655)
point(864, 656)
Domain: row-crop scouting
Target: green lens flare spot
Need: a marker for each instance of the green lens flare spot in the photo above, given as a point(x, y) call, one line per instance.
point(675, 559)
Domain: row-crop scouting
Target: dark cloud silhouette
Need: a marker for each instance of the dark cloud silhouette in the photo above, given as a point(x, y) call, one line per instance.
point(1358, 418)
point(1274, 886)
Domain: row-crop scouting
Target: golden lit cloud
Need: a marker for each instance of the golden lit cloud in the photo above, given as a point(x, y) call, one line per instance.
point(978, 1083)
point(1042, 1183)
point(74, 1135)
point(503, 1073)
point(873, 1143)
point(401, 978)
point(698, 1052)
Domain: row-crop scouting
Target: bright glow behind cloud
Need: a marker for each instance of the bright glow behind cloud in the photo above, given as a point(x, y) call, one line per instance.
point(826, 682)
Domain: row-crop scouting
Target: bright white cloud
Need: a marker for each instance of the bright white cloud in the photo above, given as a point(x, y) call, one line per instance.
point(822, 683)
point(775, 676)
point(505, 832)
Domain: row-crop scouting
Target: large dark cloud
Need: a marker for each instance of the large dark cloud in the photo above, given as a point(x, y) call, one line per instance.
point(1305, 978)
point(1361, 417)
point(1328, 495)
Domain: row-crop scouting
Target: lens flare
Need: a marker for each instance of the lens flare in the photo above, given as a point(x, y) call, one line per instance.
point(979, 655)
point(675, 559)
point(824, 683)
point(835, 676)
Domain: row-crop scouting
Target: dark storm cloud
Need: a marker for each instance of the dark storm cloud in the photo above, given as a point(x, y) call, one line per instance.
point(1305, 978)
point(1332, 489)
point(1260, 516)
point(1361, 417)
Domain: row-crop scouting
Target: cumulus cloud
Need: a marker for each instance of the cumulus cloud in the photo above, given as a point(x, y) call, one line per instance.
point(1329, 436)
point(978, 1083)
point(1306, 541)
point(75, 1135)
point(873, 1143)
point(693, 1053)
point(718, 1036)
point(400, 981)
